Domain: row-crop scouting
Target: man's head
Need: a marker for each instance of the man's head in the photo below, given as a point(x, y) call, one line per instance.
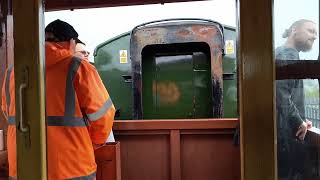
point(302, 34)
point(60, 31)
point(81, 50)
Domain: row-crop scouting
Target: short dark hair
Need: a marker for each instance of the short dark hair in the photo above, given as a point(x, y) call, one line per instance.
point(61, 31)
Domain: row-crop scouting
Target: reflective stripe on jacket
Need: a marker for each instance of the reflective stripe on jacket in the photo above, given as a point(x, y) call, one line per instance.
point(79, 113)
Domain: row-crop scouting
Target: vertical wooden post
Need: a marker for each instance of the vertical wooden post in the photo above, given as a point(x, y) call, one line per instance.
point(28, 31)
point(175, 152)
point(257, 101)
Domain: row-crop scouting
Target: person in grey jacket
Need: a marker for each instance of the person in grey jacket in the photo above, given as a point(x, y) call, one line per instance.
point(291, 121)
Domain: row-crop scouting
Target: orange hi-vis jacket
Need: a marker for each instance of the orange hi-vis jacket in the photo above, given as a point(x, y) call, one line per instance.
point(79, 112)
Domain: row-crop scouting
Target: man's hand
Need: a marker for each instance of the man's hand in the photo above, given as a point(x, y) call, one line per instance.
point(302, 131)
point(309, 124)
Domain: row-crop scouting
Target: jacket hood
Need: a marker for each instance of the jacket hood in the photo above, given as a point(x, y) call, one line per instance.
point(56, 52)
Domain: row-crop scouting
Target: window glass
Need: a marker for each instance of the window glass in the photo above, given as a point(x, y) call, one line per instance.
point(112, 56)
point(286, 13)
point(296, 27)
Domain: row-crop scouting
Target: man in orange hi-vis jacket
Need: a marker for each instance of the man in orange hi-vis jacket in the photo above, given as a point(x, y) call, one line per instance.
point(79, 111)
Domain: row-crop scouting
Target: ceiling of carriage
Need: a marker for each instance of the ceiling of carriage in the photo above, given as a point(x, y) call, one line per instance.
point(52, 5)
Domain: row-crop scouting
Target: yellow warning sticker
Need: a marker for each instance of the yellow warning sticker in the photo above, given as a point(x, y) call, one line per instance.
point(123, 54)
point(229, 47)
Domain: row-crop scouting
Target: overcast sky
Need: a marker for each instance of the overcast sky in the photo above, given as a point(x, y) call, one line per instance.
point(288, 11)
point(98, 25)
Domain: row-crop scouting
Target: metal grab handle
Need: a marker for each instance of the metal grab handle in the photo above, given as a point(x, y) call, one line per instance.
point(127, 78)
point(22, 86)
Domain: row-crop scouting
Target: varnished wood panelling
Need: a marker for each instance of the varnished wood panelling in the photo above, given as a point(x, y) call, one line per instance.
point(28, 33)
point(256, 79)
point(108, 162)
point(175, 160)
point(175, 124)
point(182, 154)
point(302, 69)
point(145, 157)
point(256, 70)
point(209, 157)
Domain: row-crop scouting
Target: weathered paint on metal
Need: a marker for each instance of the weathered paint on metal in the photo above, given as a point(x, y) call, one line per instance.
point(178, 32)
point(118, 76)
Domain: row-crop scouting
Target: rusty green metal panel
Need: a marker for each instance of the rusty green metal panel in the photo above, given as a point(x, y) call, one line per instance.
point(230, 90)
point(115, 72)
point(178, 36)
point(159, 74)
point(163, 84)
point(176, 85)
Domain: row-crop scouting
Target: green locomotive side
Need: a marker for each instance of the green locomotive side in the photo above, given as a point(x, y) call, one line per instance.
point(115, 74)
point(176, 72)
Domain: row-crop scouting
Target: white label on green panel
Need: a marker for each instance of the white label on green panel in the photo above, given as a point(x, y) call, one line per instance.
point(229, 47)
point(123, 54)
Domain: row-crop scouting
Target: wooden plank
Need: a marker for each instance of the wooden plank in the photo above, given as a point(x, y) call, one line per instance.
point(256, 78)
point(313, 137)
point(167, 132)
point(175, 155)
point(203, 156)
point(145, 157)
point(67, 4)
point(293, 69)
point(28, 31)
point(108, 162)
point(142, 132)
point(175, 124)
point(208, 131)
point(209, 157)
